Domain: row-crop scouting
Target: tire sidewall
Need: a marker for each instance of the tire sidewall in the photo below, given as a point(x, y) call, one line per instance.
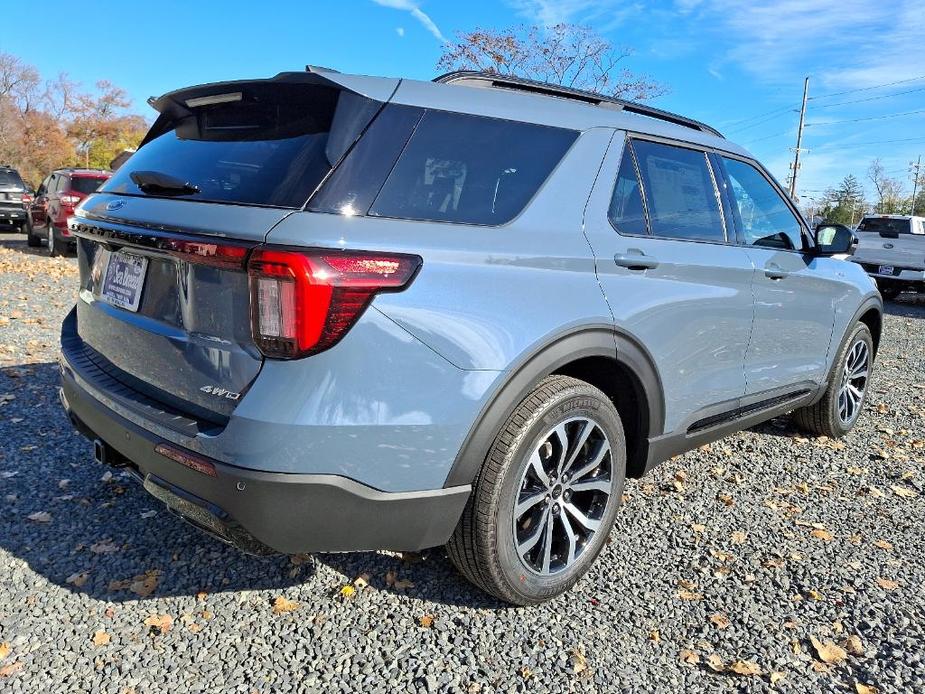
point(576, 402)
point(860, 331)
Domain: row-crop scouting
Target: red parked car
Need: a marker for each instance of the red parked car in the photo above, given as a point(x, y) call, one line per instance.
point(54, 204)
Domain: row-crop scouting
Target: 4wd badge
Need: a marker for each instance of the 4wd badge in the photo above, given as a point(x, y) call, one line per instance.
point(220, 392)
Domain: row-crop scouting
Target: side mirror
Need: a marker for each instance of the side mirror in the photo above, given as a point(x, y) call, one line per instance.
point(835, 239)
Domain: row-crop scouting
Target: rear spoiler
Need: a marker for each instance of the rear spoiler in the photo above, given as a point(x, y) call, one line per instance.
point(181, 102)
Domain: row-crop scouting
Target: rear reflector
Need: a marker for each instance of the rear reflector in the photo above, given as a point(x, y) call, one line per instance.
point(304, 302)
point(187, 459)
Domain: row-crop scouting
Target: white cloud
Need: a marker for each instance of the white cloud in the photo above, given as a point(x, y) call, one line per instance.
point(603, 15)
point(400, 31)
point(413, 8)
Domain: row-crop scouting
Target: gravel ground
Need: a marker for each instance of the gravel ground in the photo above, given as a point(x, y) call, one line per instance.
point(742, 566)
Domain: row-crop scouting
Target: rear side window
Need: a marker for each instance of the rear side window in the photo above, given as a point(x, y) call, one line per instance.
point(765, 218)
point(627, 213)
point(470, 169)
point(86, 184)
point(272, 146)
point(681, 197)
point(887, 225)
point(11, 179)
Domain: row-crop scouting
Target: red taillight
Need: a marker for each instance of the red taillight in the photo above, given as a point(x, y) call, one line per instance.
point(67, 199)
point(26, 198)
point(304, 302)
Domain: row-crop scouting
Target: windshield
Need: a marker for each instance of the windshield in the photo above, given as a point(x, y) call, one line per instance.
point(87, 184)
point(11, 179)
point(272, 147)
point(886, 224)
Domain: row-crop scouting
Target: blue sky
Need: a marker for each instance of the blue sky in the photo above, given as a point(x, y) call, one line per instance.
point(725, 61)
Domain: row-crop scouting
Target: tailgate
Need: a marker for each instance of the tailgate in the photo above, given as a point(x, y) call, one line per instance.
point(906, 250)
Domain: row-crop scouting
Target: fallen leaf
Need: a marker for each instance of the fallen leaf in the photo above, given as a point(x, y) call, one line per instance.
point(904, 492)
point(347, 592)
point(78, 579)
point(821, 534)
point(689, 595)
point(883, 544)
point(40, 517)
point(725, 499)
point(201, 596)
point(426, 620)
point(746, 668)
point(777, 677)
point(11, 669)
point(101, 638)
point(578, 660)
point(815, 594)
point(4, 650)
point(654, 636)
point(115, 586)
point(853, 645)
point(862, 688)
point(525, 672)
point(145, 584)
point(106, 546)
point(159, 624)
point(194, 628)
point(828, 652)
point(281, 605)
point(720, 621)
point(715, 663)
point(887, 584)
point(689, 657)
point(392, 580)
point(698, 527)
point(738, 537)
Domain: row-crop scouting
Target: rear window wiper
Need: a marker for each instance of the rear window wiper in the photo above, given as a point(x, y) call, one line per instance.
point(157, 183)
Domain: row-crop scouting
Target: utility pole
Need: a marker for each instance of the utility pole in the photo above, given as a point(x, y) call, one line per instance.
point(916, 170)
point(796, 152)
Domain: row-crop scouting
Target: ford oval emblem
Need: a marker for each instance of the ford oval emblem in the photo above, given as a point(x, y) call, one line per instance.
point(888, 245)
point(115, 205)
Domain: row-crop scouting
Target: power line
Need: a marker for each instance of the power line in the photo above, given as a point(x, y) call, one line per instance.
point(768, 137)
point(867, 89)
point(858, 120)
point(871, 98)
point(760, 115)
point(756, 124)
point(880, 142)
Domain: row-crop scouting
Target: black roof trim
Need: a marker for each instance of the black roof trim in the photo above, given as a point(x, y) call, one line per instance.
point(474, 77)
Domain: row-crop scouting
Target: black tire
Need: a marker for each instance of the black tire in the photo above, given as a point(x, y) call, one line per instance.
point(54, 248)
point(822, 418)
point(25, 227)
point(32, 240)
point(483, 544)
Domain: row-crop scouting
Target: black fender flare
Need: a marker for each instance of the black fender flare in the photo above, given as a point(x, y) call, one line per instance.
point(595, 341)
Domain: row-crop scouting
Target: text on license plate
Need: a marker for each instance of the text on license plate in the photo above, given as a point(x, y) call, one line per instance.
point(886, 269)
point(124, 280)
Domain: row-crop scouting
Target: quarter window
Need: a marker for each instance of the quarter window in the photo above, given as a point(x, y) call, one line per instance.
point(627, 213)
point(766, 219)
point(681, 196)
point(470, 169)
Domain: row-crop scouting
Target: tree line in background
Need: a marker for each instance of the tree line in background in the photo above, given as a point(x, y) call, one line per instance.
point(846, 203)
point(49, 123)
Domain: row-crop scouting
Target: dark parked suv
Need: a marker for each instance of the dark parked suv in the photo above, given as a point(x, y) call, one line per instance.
point(54, 203)
point(15, 197)
point(328, 312)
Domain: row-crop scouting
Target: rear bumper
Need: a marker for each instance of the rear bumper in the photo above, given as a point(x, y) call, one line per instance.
point(899, 275)
point(260, 511)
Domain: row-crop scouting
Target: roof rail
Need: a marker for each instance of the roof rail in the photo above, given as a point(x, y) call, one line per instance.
point(487, 79)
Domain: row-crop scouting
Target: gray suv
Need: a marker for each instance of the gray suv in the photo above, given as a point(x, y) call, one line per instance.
point(324, 312)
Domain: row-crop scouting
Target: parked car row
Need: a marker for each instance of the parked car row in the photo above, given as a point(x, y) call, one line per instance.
point(891, 249)
point(43, 215)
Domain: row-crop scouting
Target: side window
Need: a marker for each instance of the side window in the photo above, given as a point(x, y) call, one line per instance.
point(470, 169)
point(766, 219)
point(53, 184)
point(627, 213)
point(43, 187)
point(681, 196)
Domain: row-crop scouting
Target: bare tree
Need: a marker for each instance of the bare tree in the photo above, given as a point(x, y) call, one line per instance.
point(566, 54)
point(890, 194)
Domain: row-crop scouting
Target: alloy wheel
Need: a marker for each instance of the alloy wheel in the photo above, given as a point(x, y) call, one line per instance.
point(563, 495)
point(853, 382)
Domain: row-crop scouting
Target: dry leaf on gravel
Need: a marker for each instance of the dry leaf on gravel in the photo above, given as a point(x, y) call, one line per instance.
point(525, 672)
point(106, 546)
point(715, 663)
point(689, 657)
point(719, 620)
point(393, 581)
point(426, 621)
point(887, 584)
point(11, 669)
point(828, 652)
point(883, 544)
point(777, 677)
point(821, 534)
point(862, 688)
point(40, 517)
point(746, 668)
point(347, 592)
point(145, 584)
point(738, 537)
point(159, 624)
point(78, 579)
point(281, 605)
point(853, 645)
point(689, 595)
point(904, 491)
point(101, 638)
point(578, 660)
point(4, 650)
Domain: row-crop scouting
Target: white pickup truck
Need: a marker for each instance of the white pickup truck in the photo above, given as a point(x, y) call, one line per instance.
point(891, 249)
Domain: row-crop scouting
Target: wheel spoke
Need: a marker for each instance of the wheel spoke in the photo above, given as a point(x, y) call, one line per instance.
point(589, 523)
point(587, 427)
point(592, 484)
point(530, 542)
point(526, 504)
point(547, 543)
point(594, 462)
point(572, 539)
point(562, 434)
point(537, 464)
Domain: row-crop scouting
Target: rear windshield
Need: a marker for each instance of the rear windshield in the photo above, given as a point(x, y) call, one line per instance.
point(271, 147)
point(885, 224)
point(86, 184)
point(11, 179)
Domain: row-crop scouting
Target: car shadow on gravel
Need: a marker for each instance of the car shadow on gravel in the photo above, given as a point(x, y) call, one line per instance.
point(17, 242)
point(906, 305)
point(92, 529)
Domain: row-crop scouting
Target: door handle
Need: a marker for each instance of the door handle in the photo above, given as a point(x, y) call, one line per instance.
point(775, 272)
point(635, 261)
